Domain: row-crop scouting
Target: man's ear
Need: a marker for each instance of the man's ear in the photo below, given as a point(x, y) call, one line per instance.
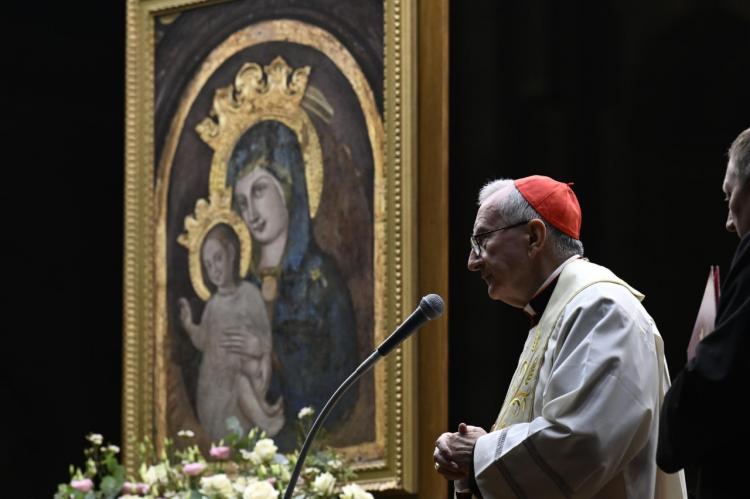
point(537, 232)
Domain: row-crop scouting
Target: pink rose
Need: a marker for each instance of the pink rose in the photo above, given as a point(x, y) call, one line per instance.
point(84, 485)
point(129, 488)
point(193, 469)
point(141, 488)
point(220, 452)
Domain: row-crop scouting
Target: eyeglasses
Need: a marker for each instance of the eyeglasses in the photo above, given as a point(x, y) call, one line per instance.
point(477, 240)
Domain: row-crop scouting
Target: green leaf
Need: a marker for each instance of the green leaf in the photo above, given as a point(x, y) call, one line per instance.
point(109, 485)
point(63, 491)
point(118, 472)
point(110, 461)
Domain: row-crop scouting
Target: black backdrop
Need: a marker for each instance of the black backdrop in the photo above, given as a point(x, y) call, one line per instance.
point(62, 133)
point(634, 101)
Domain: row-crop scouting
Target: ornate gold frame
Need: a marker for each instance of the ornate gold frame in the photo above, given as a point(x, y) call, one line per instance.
point(396, 250)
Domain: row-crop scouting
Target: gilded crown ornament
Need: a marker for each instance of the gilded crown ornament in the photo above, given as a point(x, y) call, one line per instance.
point(276, 94)
point(218, 210)
point(273, 92)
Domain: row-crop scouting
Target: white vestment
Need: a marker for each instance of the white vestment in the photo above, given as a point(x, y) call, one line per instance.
point(581, 416)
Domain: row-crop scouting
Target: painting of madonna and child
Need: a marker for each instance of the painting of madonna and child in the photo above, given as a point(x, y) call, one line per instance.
point(270, 289)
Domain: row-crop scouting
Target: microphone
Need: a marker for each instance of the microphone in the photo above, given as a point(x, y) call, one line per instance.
point(430, 307)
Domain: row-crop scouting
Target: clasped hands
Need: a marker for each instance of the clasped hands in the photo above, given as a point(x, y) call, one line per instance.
point(455, 451)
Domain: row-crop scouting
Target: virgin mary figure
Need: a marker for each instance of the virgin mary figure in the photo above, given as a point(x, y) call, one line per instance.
point(309, 304)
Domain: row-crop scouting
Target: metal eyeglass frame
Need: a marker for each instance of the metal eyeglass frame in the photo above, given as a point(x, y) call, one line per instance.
point(477, 248)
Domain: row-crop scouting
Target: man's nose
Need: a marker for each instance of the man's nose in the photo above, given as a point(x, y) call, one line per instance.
point(730, 223)
point(474, 262)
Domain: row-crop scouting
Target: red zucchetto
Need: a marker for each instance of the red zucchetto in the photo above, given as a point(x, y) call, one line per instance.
point(554, 201)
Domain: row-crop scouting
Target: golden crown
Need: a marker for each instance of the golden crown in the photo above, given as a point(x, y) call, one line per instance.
point(255, 92)
point(258, 94)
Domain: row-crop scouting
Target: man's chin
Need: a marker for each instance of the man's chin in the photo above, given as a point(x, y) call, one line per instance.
point(496, 294)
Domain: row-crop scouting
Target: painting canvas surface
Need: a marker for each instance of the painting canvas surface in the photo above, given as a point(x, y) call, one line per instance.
point(265, 149)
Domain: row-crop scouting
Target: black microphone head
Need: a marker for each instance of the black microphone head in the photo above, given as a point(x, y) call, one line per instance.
point(432, 305)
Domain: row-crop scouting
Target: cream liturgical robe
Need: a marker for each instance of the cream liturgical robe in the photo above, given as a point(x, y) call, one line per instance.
point(581, 415)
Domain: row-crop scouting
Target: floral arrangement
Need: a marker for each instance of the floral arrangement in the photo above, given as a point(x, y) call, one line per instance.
point(243, 466)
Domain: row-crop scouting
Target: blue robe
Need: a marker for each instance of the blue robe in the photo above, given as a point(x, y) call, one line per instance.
point(313, 325)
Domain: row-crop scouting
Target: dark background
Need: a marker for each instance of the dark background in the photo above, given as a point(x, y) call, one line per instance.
point(636, 101)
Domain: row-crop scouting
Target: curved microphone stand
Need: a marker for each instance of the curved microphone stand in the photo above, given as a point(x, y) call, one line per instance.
point(429, 308)
point(363, 368)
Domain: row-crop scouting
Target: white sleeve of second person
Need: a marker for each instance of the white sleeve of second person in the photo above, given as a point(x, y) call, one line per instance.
point(597, 403)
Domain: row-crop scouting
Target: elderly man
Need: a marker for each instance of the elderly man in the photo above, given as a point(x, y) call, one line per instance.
point(580, 416)
point(701, 425)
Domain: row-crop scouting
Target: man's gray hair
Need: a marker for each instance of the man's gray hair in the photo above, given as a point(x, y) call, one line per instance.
point(739, 154)
point(515, 209)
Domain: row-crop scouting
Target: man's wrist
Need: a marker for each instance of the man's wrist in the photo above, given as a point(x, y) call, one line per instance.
point(463, 489)
point(471, 480)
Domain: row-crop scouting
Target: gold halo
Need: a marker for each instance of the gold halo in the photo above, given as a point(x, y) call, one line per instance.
point(207, 216)
point(271, 93)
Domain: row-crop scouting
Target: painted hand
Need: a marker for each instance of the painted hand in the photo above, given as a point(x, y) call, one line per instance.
point(241, 342)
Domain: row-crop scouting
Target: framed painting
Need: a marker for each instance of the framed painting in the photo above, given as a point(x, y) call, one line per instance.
point(271, 217)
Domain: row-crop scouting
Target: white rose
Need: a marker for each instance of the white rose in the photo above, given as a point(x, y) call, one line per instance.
point(253, 457)
point(95, 438)
point(185, 434)
point(155, 474)
point(260, 490)
point(217, 484)
point(335, 464)
point(265, 449)
point(324, 483)
point(281, 471)
point(113, 448)
point(354, 491)
point(241, 483)
point(304, 412)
